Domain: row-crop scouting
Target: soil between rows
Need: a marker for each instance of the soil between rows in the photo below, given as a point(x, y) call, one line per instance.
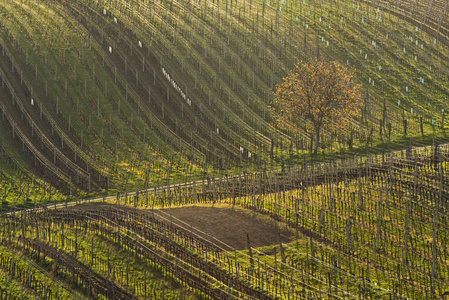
point(228, 226)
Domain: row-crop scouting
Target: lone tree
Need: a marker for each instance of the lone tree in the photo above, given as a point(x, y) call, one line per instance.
point(316, 94)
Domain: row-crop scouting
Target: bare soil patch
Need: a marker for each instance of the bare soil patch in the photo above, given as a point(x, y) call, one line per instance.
point(228, 225)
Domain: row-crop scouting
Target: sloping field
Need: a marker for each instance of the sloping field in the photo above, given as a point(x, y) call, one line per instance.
point(358, 229)
point(121, 95)
point(163, 107)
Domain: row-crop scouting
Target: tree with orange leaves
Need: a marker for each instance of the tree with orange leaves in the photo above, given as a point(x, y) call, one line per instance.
point(316, 94)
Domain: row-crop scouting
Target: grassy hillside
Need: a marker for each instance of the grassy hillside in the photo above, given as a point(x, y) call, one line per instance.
point(123, 98)
point(122, 95)
point(357, 229)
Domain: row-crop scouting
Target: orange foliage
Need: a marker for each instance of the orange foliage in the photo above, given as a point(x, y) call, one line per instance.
point(316, 93)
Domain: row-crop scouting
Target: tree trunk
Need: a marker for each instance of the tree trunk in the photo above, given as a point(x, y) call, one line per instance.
point(311, 142)
point(317, 139)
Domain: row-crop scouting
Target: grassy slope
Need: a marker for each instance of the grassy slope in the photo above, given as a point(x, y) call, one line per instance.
point(123, 125)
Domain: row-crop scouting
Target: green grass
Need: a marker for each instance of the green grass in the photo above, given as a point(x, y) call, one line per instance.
point(227, 70)
point(117, 118)
point(19, 286)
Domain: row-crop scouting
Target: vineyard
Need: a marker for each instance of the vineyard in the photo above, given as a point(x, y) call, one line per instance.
point(360, 228)
point(100, 97)
point(159, 112)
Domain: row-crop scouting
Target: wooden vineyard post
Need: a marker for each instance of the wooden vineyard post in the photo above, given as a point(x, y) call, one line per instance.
point(236, 269)
point(23, 228)
point(13, 263)
point(276, 191)
point(92, 253)
point(127, 274)
point(348, 222)
point(233, 193)
point(360, 198)
point(379, 218)
point(434, 231)
point(302, 207)
point(258, 274)
point(109, 265)
point(45, 286)
point(29, 272)
point(250, 251)
point(281, 249)
point(207, 262)
point(145, 283)
point(404, 259)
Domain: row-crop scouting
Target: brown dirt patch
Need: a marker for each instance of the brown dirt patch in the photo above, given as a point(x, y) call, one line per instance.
point(228, 225)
